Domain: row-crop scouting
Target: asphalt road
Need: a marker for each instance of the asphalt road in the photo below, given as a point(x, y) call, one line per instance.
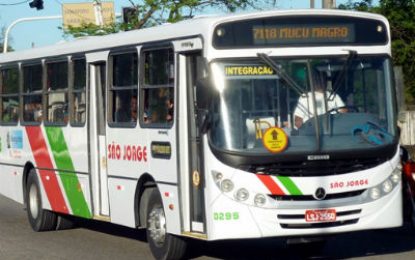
point(98, 240)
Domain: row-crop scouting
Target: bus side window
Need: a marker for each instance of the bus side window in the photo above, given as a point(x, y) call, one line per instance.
point(32, 94)
point(78, 92)
point(123, 89)
point(57, 92)
point(9, 95)
point(157, 108)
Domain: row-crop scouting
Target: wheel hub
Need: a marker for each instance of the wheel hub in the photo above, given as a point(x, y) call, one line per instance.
point(157, 225)
point(33, 201)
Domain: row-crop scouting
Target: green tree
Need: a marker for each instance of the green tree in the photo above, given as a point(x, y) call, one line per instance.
point(363, 5)
point(153, 12)
point(401, 16)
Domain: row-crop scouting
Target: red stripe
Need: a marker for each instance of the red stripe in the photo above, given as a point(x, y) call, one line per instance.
point(271, 184)
point(48, 177)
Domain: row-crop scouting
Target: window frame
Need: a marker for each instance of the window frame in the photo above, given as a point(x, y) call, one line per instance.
point(23, 122)
point(143, 87)
point(72, 91)
point(112, 89)
point(47, 92)
point(10, 95)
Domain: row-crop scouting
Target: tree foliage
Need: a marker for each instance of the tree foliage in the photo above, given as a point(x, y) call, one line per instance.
point(401, 16)
point(149, 13)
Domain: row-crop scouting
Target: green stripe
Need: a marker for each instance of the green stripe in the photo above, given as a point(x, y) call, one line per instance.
point(290, 185)
point(69, 180)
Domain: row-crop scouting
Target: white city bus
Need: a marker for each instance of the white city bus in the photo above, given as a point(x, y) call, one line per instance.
point(268, 124)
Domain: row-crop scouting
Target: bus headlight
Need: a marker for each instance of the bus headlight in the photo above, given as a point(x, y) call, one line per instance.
point(374, 193)
point(242, 194)
point(387, 186)
point(260, 200)
point(226, 185)
point(234, 190)
point(396, 176)
point(217, 176)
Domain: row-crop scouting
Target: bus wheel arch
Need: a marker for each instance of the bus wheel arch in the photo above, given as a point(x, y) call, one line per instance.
point(144, 186)
point(163, 245)
point(26, 170)
point(40, 219)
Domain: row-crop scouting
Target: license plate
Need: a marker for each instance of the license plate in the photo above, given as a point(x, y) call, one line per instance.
point(320, 215)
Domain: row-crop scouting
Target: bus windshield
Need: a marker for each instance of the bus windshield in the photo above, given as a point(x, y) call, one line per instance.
point(323, 104)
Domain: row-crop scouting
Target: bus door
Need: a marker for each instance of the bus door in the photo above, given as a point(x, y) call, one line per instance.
point(97, 132)
point(191, 150)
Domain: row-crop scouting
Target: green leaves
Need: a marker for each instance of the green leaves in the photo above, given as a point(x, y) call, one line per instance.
point(154, 12)
point(401, 16)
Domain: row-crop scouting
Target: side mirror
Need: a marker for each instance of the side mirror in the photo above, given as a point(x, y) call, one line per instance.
point(204, 120)
point(204, 95)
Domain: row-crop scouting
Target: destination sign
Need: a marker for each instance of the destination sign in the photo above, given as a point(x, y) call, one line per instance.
point(248, 70)
point(303, 34)
point(300, 31)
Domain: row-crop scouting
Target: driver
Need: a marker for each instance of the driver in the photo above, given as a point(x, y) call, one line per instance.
point(305, 106)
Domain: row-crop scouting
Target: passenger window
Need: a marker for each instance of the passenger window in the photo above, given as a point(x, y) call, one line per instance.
point(57, 92)
point(9, 95)
point(157, 88)
point(32, 94)
point(123, 89)
point(78, 93)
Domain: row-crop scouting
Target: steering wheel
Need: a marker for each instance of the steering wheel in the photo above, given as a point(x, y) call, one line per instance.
point(343, 109)
point(346, 109)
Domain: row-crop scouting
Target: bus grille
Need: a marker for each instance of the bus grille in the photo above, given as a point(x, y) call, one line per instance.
point(320, 225)
point(316, 168)
point(296, 221)
point(341, 195)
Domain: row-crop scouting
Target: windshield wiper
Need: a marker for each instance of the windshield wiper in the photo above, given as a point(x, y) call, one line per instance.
point(352, 55)
point(280, 72)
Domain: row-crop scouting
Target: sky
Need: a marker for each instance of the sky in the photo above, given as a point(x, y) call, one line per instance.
point(25, 35)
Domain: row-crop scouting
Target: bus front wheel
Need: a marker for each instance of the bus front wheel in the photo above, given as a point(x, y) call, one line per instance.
point(162, 244)
point(39, 218)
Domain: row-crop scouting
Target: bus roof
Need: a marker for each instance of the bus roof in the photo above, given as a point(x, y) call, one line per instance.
point(202, 26)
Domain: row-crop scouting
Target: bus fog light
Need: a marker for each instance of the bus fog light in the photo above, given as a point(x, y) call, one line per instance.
point(387, 186)
point(260, 200)
point(374, 193)
point(399, 167)
point(242, 194)
point(396, 176)
point(226, 185)
point(217, 176)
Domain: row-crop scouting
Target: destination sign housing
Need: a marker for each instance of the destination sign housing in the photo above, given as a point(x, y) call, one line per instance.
point(300, 31)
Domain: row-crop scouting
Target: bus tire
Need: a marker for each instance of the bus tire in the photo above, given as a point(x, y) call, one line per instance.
point(39, 218)
point(162, 244)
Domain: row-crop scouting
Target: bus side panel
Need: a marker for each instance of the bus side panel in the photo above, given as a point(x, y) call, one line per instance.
point(11, 182)
point(170, 196)
point(65, 188)
point(70, 153)
point(77, 141)
point(12, 159)
point(121, 197)
point(127, 159)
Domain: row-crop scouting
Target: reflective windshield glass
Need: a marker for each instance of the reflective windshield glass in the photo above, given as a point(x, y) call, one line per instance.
point(322, 105)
